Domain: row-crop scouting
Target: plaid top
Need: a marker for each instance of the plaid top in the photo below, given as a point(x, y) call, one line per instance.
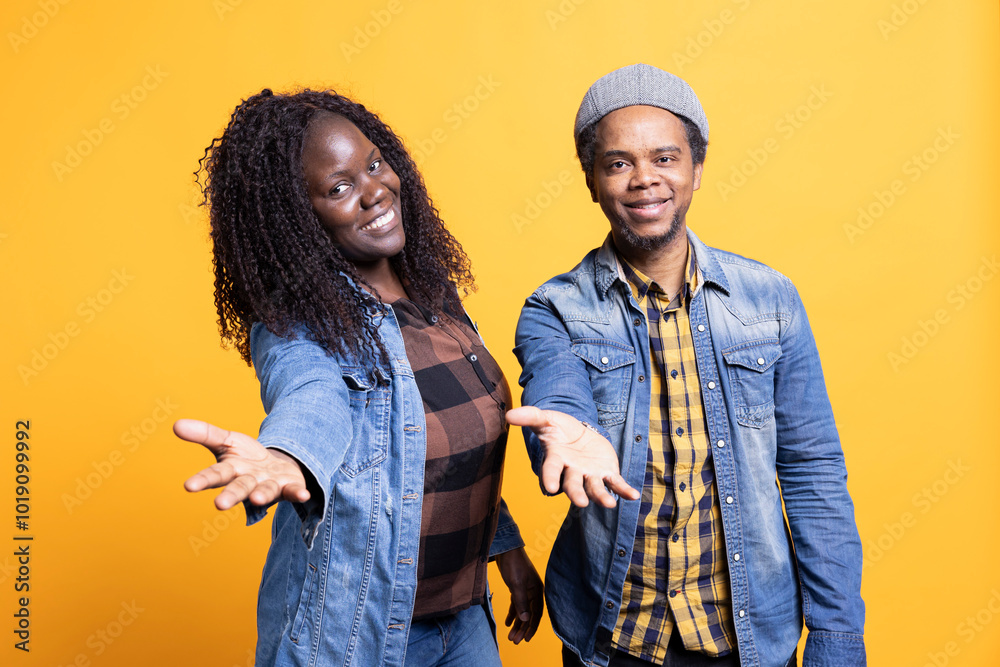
point(678, 573)
point(465, 396)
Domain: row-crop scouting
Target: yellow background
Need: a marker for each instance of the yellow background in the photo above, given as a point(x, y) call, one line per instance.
point(893, 77)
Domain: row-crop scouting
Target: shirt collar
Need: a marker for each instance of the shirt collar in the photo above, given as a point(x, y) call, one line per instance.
point(608, 270)
point(641, 284)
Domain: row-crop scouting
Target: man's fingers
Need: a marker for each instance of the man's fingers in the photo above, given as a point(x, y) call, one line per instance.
point(527, 415)
point(572, 486)
point(511, 615)
point(597, 492)
point(552, 472)
point(618, 484)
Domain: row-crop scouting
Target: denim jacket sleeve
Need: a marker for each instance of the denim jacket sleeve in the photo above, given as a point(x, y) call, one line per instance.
point(308, 413)
point(508, 536)
point(813, 477)
point(552, 376)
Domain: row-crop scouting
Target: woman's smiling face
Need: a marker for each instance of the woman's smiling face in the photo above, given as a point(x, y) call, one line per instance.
point(353, 191)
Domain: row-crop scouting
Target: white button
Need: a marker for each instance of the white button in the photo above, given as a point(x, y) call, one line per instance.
point(721, 443)
point(711, 385)
point(729, 500)
point(701, 327)
point(760, 360)
point(742, 613)
point(736, 557)
point(473, 357)
point(604, 360)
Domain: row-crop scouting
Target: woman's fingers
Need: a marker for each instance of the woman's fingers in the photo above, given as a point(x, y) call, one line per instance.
point(212, 477)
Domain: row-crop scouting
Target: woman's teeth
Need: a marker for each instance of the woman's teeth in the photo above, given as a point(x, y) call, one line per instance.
point(380, 221)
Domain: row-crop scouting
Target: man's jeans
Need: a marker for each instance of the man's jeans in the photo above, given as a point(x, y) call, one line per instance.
point(463, 639)
point(676, 656)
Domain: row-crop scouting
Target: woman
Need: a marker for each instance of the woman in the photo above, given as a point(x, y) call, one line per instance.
point(385, 432)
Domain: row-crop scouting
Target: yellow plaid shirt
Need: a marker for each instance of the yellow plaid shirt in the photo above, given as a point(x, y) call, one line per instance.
point(678, 573)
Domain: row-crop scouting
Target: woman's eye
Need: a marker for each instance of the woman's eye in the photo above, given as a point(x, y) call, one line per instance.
point(375, 165)
point(338, 189)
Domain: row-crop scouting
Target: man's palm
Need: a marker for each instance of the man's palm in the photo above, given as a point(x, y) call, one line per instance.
point(578, 460)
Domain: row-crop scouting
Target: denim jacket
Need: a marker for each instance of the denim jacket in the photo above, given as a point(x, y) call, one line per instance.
point(341, 574)
point(584, 347)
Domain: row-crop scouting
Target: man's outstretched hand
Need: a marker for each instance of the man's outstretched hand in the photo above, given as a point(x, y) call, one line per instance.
point(578, 460)
point(244, 467)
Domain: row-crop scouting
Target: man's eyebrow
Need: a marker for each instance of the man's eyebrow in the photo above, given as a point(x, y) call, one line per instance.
point(662, 149)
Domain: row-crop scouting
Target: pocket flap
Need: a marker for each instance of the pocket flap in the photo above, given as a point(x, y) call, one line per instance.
point(603, 355)
point(358, 378)
point(756, 355)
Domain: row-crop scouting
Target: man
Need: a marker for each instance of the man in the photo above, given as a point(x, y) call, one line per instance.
point(695, 369)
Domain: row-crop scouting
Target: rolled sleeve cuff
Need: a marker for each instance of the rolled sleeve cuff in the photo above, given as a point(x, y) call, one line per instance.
point(312, 511)
point(834, 649)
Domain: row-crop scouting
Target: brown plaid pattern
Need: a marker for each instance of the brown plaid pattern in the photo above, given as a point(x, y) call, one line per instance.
point(465, 396)
point(678, 574)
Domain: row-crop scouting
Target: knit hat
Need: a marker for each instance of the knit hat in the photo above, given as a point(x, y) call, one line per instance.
point(639, 84)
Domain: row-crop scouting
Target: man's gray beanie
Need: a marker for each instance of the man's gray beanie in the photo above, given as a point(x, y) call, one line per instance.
point(640, 84)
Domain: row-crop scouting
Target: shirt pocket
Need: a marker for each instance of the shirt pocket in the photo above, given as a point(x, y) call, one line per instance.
point(610, 365)
point(751, 375)
point(370, 407)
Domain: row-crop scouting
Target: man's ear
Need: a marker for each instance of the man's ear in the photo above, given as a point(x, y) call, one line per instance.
point(590, 186)
point(698, 168)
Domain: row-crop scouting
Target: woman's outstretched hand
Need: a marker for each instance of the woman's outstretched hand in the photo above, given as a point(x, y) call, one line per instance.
point(244, 467)
point(527, 599)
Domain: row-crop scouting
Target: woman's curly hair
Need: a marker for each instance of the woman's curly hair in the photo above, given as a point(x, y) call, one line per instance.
point(274, 261)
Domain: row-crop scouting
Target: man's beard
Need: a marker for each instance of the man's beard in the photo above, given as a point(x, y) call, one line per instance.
point(650, 243)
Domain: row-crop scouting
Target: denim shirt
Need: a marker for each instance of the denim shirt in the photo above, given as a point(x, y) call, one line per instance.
point(340, 578)
point(584, 347)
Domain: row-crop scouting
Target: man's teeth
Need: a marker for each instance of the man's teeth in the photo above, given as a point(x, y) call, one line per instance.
point(381, 221)
point(646, 205)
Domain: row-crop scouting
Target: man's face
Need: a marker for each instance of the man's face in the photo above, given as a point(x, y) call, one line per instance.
point(643, 176)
